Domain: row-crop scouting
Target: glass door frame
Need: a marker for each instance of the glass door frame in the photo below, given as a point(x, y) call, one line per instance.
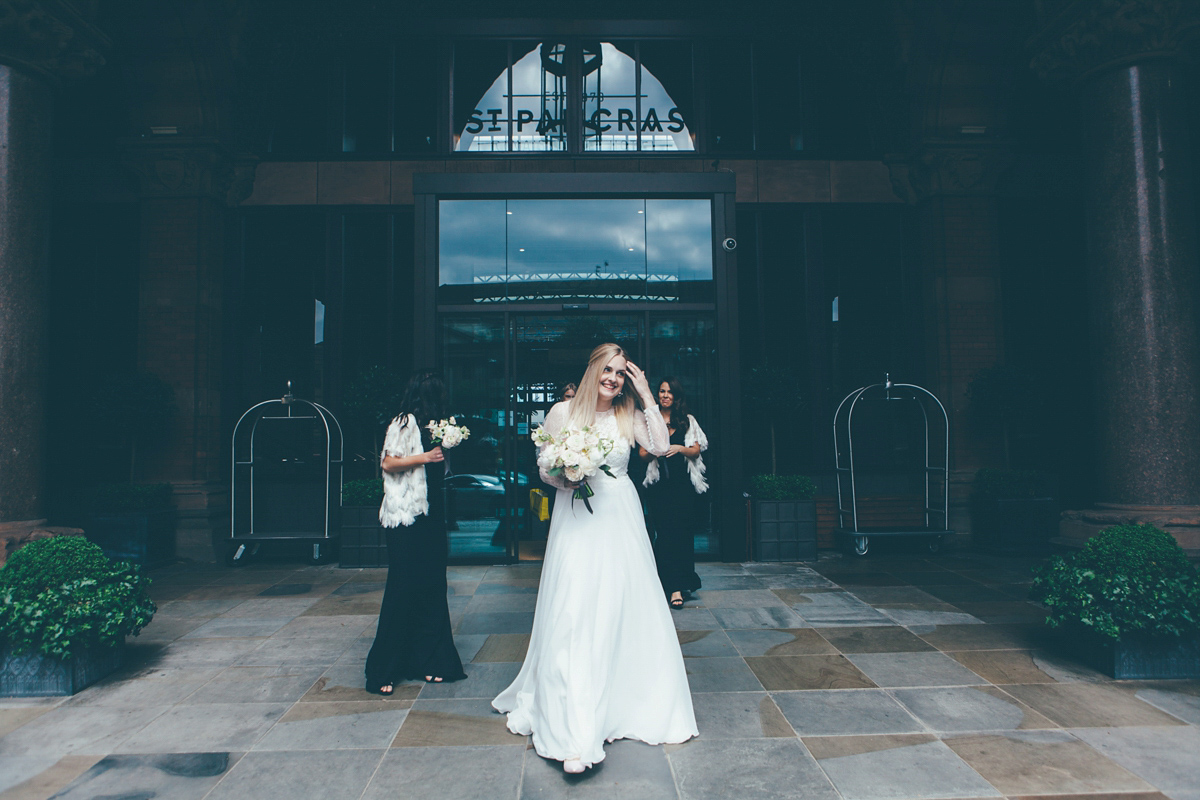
point(720, 187)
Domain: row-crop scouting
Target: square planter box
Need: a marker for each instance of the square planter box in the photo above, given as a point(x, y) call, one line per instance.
point(37, 675)
point(363, 540)
point(146, 538)
point(785, 530)
point(1138, 658)
point(1022, 525)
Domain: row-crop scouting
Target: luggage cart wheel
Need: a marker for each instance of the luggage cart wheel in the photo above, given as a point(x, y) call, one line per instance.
point(935, 544)
point(320, 553)
point(860, 545)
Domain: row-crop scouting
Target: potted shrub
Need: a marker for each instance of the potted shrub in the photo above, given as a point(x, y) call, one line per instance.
point(132, 522)
point(65, 610)
point(785, 518)
point(1011, 511)
point(1129, 602)
point(136, 522)
point(362, 537)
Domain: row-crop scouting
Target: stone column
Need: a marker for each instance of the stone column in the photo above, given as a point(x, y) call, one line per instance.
point(953, 183)
point(185, 186)
point(1142, 254)
point(41, 45)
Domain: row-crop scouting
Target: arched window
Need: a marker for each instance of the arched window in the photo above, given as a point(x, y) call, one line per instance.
point(527, 107)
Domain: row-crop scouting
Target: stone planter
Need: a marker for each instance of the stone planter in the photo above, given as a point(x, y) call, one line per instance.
point(363, 540)
point(37, 675)
point(1015, 526)
point(143, 537)
point(785, 530)
point(1142, 658)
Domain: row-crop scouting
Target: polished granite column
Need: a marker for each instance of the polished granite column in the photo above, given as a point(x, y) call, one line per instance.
point(26, 103)
point(1120, 58)
point(1141, 221)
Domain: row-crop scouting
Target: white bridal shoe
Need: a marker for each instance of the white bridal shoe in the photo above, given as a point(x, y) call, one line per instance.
point(573, 766)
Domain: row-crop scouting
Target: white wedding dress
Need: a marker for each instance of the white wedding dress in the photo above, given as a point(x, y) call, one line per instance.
point(604, 661)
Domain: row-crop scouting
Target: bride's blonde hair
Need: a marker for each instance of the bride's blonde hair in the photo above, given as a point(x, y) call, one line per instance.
point(582, 410)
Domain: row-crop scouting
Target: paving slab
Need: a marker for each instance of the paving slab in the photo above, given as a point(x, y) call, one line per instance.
point(845, 713)
point(448, 773)
point(629, 771)
point(1164, 757)
point(336, 775)
point(740, 715)
point(176, 776)
point(914, 669)
point(346, 725)
point(750, 769)
point(886, 767)
point(205, 729)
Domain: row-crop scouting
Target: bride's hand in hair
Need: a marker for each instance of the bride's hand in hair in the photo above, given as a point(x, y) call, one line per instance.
point(640, 385)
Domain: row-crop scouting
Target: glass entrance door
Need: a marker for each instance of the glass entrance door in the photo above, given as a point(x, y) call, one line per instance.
point(504, 372)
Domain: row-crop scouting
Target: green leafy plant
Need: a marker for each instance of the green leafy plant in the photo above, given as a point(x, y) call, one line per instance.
point(365, 492)
point(62, 596)
point(107, 498)
point(782, 487)
point(1007, 484)
point(1130, 580)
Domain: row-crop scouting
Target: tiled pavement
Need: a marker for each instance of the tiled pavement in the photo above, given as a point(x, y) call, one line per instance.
point(881, 678)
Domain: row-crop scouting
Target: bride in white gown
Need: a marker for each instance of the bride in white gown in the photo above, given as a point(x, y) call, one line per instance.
point(604, 660)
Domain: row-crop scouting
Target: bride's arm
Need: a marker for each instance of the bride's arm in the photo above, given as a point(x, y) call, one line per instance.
point(651, 432)
point(556, 420)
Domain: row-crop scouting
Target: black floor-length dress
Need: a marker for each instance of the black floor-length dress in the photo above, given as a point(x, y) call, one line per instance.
point(413, 638)
point(675, 513)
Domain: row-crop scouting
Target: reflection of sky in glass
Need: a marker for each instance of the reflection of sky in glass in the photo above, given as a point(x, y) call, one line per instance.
point(517, 241)
point(615, 80)
point(471, 240)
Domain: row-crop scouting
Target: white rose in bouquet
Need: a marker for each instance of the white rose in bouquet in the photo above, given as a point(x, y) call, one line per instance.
point(575, 455)
point(446, 433)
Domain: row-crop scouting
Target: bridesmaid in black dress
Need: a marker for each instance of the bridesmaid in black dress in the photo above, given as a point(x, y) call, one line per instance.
point(413, 640)
point(673, 485)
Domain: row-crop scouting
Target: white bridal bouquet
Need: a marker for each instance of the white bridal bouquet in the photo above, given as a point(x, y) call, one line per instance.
point(447, 433)
point(576, 454)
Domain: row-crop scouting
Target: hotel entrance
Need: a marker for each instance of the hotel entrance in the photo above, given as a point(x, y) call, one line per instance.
point(524, 287)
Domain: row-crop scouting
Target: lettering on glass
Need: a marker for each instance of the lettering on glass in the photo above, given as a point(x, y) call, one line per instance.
point(616, 115)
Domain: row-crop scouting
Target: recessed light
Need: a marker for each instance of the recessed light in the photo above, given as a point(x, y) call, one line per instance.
point(640, 211)
point(631, 249)
point(521, 249)
point(508, 212)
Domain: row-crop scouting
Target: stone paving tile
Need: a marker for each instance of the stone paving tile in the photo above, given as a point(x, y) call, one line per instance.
point(496, 622)
point(14, 717)
point(720, 675)
point(335, 726)
point(925, 618)
point(53, 775)
point(233, 727)
point(970, 708)
point(204, 653)
point(1043, 762)
point(501, 603)
point(629, 771)
point(455, 723)
point(739, 715)
point(719, 581)
point(257, 685)
point(1086, 705)
point(448, 773)
point(145, 688)
point(174, 776)
point(503, 647)
point(347, 682)
point(331, 627)
point(1002, 666)
point(79, 729)
point(750, 769)
point(706, 644)
point(781, 673)
point(974, 636)
point(167, 628)
point(744, 618)
point(1178, 704)
point(783, 642)
point(237, 627)
point(272, 606)
point(881, 767)
point(15, 770)
point(744, 598)
point(337, 775)
point(467, 644)
point(844, 713)
point(1165, 757)
point(294, 652)
point(694, 619)
point(483, 681)
point(914, 669)
point(868, 639)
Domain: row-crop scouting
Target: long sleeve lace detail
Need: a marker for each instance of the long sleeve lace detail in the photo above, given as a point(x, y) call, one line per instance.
point(650, 431)
point(556, 420)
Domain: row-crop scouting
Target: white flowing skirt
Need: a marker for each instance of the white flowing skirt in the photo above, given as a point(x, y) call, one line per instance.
point(604, 660)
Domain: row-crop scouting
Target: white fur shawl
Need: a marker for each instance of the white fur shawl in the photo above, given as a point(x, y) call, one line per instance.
point(693, 436)
point(404, 493)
